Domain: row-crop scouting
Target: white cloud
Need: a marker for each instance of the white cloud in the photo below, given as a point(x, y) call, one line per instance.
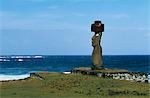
point(35, 0)
point(88, 0)
point(121, 16)
point(78, 14)
point(53, 7)
point(116, 15)
point(38, 21)
point(73, 1)
point(142, 29)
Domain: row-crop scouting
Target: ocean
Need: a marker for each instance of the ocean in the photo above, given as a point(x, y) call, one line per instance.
point(17, 67)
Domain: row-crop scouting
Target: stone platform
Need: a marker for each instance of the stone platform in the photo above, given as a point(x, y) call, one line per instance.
point(114, 74)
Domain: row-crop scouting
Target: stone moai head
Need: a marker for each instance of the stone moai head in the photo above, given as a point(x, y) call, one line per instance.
point(97, 27)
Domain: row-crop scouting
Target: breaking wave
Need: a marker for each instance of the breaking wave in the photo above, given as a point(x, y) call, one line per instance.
point(13, 77)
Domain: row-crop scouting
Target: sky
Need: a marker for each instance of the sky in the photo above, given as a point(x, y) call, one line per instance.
point(62, 27)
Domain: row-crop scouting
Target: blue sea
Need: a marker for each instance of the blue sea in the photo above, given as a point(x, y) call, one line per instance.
point(16, 67)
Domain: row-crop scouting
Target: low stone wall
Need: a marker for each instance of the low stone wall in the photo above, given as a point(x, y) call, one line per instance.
point(130, 76)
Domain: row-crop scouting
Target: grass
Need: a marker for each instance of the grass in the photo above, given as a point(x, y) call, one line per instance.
point(57, 85)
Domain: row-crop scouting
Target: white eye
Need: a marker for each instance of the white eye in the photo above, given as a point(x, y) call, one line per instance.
point(97, 34)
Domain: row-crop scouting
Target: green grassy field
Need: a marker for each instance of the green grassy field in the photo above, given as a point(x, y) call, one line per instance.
point(57, 85)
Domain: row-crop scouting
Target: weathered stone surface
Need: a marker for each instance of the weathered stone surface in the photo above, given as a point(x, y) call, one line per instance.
point(36, 75)
point(97, 51)
point(97, 28)
point(115, 74)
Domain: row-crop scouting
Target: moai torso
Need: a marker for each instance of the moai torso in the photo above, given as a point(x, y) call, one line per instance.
point(97, 51)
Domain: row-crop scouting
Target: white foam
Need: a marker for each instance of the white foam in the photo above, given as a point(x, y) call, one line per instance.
point(66, 72)
point(20, 60)
point(13, 77)
point(38, 56)
point(149, 78)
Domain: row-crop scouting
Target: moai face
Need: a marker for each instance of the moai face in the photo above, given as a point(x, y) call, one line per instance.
point(97, 27)
point(95, 40)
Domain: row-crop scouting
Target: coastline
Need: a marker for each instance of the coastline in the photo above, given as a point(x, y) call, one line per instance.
point(107, 73)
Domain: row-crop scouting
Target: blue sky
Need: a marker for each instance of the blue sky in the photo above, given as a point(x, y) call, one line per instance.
point(62, 27)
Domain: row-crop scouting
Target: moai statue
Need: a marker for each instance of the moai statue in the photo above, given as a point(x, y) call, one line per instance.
point(97, 62)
